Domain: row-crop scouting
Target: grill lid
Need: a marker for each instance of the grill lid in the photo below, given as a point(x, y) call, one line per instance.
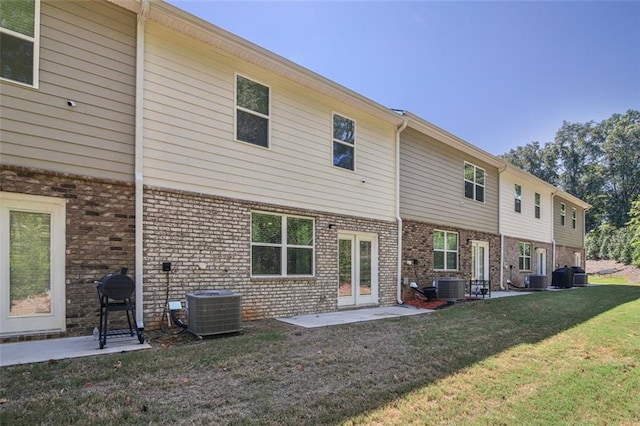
point(116, 286)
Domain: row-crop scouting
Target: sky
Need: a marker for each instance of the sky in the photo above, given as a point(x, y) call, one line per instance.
point(497, 74)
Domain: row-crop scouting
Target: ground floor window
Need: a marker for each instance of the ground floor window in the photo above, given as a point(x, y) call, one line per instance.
point(524, 256)
point(445, 250)
point(281, 245)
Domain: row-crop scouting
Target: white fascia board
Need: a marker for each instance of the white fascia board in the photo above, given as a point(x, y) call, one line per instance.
point(177, 19)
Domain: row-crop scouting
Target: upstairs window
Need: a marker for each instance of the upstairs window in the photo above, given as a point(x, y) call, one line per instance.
point(537, 206)
point(344, 142)
point(19, 41)
point(518, 198)
point(445, 250)
point(281, 245)
point(473, 182)
point(563, 213)
point(574, 218)
point(524, 256)
point(252, 112)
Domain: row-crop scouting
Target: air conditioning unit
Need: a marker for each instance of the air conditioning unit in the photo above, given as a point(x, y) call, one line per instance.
point(450, 288)
point(214, 312)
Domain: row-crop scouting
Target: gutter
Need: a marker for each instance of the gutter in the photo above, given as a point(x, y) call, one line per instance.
point(398, 218)
point(139, 162)
point(502, 286)
point(553, 233)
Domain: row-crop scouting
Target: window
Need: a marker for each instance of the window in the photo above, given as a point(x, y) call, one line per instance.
point(537, 207)
point(281, 245)
point(563, 213)
point(574, 218)
point(524, 256)
point(252, 112)
point(473, 182)
point(19, 41)
point(344, 141)
point(518, 198)
point(445, 250)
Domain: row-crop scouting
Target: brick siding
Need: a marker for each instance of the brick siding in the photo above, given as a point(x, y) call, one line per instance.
point(100, 235)
point(417, 243)
point(512, 257)
point(207, 240)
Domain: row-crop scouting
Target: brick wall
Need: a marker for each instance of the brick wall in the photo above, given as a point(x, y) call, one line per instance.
point(417, 243)
point(100, 233)
point(565, 256)
point(207, 240)
point(512, 255)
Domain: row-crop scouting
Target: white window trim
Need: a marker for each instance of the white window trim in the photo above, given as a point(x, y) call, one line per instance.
point(36, 48)
point(475, 184)
point(355, 139)
point(563, 214)
point(517, 197)
point(524, 257)
point(237, 107)
point(574, 218)
point(537, 209)
point(457, 251)
point(284, 246)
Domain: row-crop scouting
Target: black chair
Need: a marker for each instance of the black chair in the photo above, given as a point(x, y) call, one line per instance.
point(480, 287)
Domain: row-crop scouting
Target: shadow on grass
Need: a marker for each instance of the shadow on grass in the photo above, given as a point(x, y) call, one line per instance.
point(276, 373)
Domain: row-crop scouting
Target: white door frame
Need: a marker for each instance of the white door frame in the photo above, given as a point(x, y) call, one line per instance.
point(33, 323)
point(355, 298)
point(541, 261)
point(475, 266)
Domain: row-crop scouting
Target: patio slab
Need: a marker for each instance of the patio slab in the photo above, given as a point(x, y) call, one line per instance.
point(68, 347)
point(351, 316)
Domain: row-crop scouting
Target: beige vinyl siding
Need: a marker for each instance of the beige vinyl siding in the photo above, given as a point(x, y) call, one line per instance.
point(87, 55)
point(524, 225)
point(190, 143)
point(566, 235)
point(432, 185)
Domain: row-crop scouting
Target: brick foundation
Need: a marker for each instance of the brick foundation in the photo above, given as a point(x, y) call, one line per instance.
point(511, 258)
point(417, 243)
point(207, 240)
point(100, 236)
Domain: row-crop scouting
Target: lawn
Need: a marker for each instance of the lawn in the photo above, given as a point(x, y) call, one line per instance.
point(567, 357)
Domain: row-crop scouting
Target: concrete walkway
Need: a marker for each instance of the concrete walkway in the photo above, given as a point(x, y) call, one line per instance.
point(350, 316)
point(68, 347)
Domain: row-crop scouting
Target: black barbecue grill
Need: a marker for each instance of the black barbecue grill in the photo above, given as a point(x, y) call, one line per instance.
point(115, 293)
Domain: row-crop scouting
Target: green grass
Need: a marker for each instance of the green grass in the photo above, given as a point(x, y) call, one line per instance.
point(567, 357)
point(598, 279)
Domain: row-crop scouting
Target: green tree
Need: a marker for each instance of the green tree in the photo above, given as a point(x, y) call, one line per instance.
point(634, 231)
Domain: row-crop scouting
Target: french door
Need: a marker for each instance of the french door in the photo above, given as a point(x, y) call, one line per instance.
point(480, 260)
point(358, 269)
point(32, 250)
point(541, 261)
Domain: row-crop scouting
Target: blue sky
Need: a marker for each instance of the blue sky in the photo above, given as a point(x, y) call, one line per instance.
point(497, 74)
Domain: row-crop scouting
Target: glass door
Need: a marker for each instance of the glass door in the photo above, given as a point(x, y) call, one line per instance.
point(541, 261)
point(32, 260)
point(357, 269)
point(480, 260)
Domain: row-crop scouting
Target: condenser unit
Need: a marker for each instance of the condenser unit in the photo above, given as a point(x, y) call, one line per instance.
point(451, 289)
point(214, 312)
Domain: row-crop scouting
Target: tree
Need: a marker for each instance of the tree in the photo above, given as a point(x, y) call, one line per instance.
point(620, 141)
point(634, 231)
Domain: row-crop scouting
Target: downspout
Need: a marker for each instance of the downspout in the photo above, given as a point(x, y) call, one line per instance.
point(553, 232)
point(502, 286)
point(398, 218)
point(139, 165)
